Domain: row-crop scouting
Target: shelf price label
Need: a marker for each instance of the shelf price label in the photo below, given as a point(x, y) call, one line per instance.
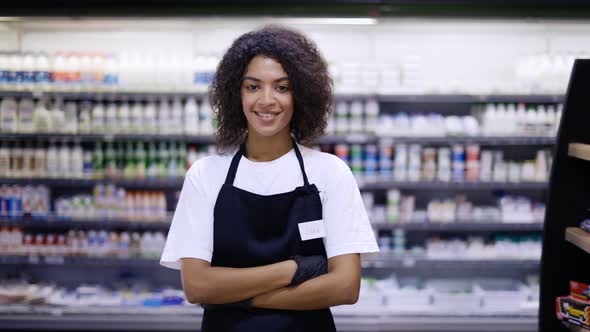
point(55, 260)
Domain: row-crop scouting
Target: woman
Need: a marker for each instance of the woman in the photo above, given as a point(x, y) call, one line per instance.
point(268, 233)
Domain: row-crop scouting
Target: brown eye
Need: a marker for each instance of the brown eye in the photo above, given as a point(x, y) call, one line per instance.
point(282, 88)
point(251, 87)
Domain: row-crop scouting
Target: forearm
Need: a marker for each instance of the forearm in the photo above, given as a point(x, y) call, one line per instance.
point(218, 285)
point(322, 292)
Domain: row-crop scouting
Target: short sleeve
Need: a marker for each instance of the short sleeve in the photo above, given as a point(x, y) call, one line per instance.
point(191, 231)
point(348, 229)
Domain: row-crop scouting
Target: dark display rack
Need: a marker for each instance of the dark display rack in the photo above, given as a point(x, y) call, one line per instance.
point(568, 204)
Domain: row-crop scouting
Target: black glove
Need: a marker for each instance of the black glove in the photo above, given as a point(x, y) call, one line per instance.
point(309, 267)
point(244, 305)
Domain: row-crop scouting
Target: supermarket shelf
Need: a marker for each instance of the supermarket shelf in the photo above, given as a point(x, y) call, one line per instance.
point(328, 139)
point(154, 184)
point(578, 237)
point(383, 260)
point(176, 183)
point(419, 262)
point(105, 94)
point(483, 140)
point(467, 98)
point(122, 321)
point(83, 138)
point(84, 262)
point(55, 223)
point(579, 150)
point(117, 93)
point(438, 185)
point(462, 226)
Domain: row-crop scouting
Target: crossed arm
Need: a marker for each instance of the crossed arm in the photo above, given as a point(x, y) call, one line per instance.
point(267, 285)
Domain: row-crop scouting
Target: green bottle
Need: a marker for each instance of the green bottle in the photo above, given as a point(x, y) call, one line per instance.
point(152, 161)
point(130, 167)
point(182, 159)
point(98, 161)
point(140, 160)
point(162, 159)
point(110, 162)
point(172, 161)
point(120, 160)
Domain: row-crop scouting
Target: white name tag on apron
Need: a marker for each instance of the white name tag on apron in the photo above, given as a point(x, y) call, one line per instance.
point(312, 230)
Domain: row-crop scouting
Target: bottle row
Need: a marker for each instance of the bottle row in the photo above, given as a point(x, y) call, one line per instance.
point(401, 208)
point(112, 203)
point(164, 117)
point(189, 117)
point(132, 160)
point(513, 120)
point(414, 162)
point(92, 70)
point(516, 247)
point(138, 295)
point(92, 243)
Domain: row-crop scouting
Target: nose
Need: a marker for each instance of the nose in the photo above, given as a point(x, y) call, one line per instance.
point(267, 97)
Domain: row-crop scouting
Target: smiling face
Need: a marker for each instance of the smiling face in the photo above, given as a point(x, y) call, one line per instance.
point(267, 99)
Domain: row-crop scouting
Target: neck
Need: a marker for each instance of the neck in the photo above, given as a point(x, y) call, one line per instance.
point(261, 148)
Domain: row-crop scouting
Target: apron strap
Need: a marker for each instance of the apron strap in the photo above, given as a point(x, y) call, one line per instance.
point(300, 159)
point(233, 168)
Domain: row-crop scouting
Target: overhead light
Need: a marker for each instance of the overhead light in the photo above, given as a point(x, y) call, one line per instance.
point(331, 20)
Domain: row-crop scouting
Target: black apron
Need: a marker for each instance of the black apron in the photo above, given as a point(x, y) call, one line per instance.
point(252, 230)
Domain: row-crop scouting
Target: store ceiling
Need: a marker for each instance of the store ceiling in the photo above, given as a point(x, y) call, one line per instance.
point(371, 8)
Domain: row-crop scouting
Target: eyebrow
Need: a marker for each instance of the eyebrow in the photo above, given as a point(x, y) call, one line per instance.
point(258, 80)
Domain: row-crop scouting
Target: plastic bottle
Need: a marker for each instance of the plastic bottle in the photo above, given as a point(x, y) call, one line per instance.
point(176, 117)
point(28, 160)
point(73, 70)
point(205, 118)
point(71, 117)
point(355, 124)
point(8, 115)
point(98, 161)
point(42, 71)
point(341, 121)
point(4, 161)
point(172, 161)
point(111, 77)
point(15, 73)
point(40, 161)
point(191, 117)
point(110, 161)
point(111, 123)
point(87, 169)
point(98, 64)
point(136, 118)
point(182, 160)
point(123, 117)
point(152, 161)
point(28, 67)
point(85, 118)
point(140, 160)
point(64, 161)
point(25, 115)
point(3, 70)
point(52, 161)
point(164, 125)
point(371, 116)
point(77, 161)
point(150, 119)
point(162, 159)
point(58, 117)
point(16, 163)
point(86, 71)
point(130, 165)
point(98, 119)
point(42, 118)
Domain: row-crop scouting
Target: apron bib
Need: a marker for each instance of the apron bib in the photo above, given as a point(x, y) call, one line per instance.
point(252, 230)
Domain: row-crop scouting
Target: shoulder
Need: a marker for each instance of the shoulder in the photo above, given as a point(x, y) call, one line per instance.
point(210, 170)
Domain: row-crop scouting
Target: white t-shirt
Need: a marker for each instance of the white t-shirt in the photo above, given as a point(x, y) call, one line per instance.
point(347, 226)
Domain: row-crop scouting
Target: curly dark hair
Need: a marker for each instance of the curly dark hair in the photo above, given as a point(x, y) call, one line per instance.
point(308, 76)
